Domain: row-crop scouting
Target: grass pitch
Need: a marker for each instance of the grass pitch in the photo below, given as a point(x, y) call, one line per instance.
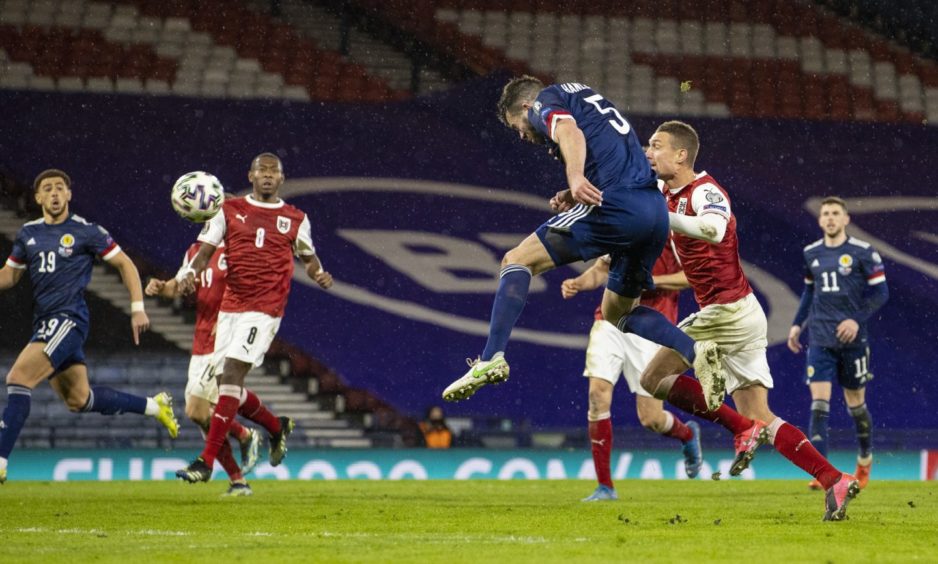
point(465, 521)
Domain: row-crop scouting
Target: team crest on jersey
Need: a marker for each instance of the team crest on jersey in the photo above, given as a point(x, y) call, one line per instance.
point(283, 224)
point(681, 206)
point(845, 262)
point(66, 243)
point(810, 371)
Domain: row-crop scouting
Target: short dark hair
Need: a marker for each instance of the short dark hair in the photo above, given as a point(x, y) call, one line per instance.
point(271, 155)
point(518, 90)
point(684, 136)
point(52, 173)
point(834, 200)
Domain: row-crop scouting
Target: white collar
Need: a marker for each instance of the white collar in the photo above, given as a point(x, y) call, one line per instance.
point(699, 175)
point(250, 199)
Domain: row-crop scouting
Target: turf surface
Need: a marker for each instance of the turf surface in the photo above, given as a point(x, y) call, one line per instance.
point(465, 521)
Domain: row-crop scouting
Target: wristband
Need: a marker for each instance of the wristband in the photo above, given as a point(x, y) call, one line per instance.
point(184, 273)
point(136, 307)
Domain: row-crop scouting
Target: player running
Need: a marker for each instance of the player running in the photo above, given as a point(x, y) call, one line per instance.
point(611, 353)
point(704, 231)
point(261, 233)
point(612, 206)
point(58, 250)
point(202, 387)
point(844, 286)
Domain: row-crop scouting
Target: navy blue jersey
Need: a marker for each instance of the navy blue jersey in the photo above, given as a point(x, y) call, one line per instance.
point(614, 155)
point(59, 258)
point(839, 278)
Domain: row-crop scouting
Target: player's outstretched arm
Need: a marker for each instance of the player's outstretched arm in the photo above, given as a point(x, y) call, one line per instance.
point(10, 276)
point(572, 144)
point(674, 281)
point(139, 322)
point(594, 277)
point(166, 289)
point(709, 227)
point(316, 272)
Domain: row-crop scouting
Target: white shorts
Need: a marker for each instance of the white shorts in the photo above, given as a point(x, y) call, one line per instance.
point(740, 328)
point(243, 336)
point(612, 353)
point(202, 380)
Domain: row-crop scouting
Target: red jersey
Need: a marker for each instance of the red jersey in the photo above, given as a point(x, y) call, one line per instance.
point(665, 301)
point(210, 287)
point(260, 241)
point(713, 270)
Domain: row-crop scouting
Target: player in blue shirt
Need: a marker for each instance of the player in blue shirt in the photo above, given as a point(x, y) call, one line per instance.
point(844, 285)
point(612, 206)
point(58, 250)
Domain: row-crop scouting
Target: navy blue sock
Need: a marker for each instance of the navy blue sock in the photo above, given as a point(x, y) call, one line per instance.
point(649, 324)
point(108, 401)
point(864, 427)
point(509, 301)
point(14, 417)
point(818, 427)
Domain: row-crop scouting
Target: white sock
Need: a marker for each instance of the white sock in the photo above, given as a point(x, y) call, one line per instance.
point(668, 422)
point(773, 428)
point(153, 408)
point(3, 463)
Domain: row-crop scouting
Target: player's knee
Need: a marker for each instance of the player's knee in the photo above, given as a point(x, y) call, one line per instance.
point(600, 400)
point(75, 403)
point(650, 380)
point(198, 413)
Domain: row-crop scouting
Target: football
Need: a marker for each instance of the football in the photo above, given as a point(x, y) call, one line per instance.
point(197, 196)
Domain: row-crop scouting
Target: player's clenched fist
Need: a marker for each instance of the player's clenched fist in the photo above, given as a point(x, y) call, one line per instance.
point(324, 279)
point(562, 201)
point(569, 288)
point(154, 287)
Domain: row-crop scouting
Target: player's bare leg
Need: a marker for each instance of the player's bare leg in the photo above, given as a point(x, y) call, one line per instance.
point(794, 445)
point(662, 379)
point(72, 386)
point(856, 404)
point(600, 433)
point(31, 367)
point(528, 259)
point(652, 416)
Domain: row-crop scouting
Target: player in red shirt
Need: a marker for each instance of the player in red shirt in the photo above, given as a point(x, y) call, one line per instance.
point(704, 234)
point(261, 233)
point(611, 353)
point(202, 386)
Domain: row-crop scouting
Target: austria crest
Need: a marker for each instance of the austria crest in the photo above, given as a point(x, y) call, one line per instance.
point(283, 224)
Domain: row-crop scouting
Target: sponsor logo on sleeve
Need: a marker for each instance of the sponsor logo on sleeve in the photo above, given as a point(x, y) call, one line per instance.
point(714, 197)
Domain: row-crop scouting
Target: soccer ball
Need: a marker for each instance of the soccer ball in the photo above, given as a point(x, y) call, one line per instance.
point(197, 196)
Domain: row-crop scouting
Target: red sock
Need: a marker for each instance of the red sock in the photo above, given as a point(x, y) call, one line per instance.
point(679, 431)
point(795, 446)
point(227, 462)
point(253, 409)
point(224, 414)
point(687, 395)
point(601, 441)
point(238, 431)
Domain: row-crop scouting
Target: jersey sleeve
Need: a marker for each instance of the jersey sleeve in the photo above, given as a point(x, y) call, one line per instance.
point(709, 198)
point(808, 275)
point(17, 258)
point(214, 231)
point(872, 265)
point(547, 111)
point(102, 244)
point(303, 246)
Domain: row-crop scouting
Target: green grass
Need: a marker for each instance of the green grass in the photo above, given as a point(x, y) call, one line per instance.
point(466, 521)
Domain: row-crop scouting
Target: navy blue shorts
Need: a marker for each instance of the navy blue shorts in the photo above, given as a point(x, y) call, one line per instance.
point(631, 226)
point(64, 337)
point(850, 366)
